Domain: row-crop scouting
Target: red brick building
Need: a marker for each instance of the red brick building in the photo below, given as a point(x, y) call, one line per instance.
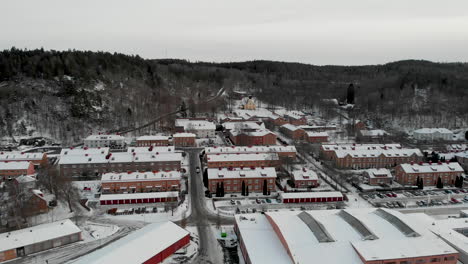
point(252, 138)
point(146, 141)
point(96, 164)
point(383, 158)
point(407, 174)
point(184, 140)
point(36, 204)
point(232, 178)
point(139, 198)
point(293, 131)
point(278, 120)
point(282, 151)
point(295, 118)
point(317, 137)
point(327, 151)
point(378, 176)
point(38, 159)
point(13, 169)
point(305, 178)
point(131, 182)
point(243, 160)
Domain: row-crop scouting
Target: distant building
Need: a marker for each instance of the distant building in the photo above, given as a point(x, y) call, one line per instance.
point(252, 138)
point(378, 176)
point(277, 120)
point(184, 140)
point(433, 134)
point(296, 118)
point(305, 178)
point(136, 159)
point(131, 182)
point(351, 236)
point(149, 245)
point(105, 141)
point(38, 238)
point(38, 159)
point(37, 203)
point(316, 137)
point(462, 158)
point(292, 131)
point(13, 169)
point(243, 160)
point(407, 174)
point(281, 151)
point(243, 125)
point(457, 147)
point(26, 182)
point(232, 178)
point(145, 141)
point(248, 103)
point(200, 127)
point(317, 128)
point(359, 125)
point(367, 156)
point(372, 134)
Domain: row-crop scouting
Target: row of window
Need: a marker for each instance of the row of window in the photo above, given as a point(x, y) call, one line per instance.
point(423, 261)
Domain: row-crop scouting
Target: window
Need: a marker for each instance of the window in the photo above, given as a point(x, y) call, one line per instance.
point(450, 258)
point(435, 260)
point(420, 261)
point(405, 262)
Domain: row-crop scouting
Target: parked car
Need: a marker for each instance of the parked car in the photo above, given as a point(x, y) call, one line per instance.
point(268, 200)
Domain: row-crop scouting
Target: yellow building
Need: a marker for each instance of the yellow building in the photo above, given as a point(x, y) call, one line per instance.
point(249, 104)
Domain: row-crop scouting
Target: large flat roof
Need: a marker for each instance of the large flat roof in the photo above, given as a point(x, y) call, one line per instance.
point(120, 157)
point(83, 151)
point(14, 155)
point(37, 234)
point(260, 240)
point(139, 246)
point(105, 137)
point(432, 168)
point(148, 195)
point(152, 137)
point(14, 165)
point(350, 233)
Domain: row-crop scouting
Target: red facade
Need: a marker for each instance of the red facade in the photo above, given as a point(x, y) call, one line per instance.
point(161, 256)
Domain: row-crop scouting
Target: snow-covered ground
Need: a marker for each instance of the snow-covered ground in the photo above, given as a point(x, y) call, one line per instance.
point(92, 231)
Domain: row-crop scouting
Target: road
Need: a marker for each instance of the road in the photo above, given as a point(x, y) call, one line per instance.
point(210, 250)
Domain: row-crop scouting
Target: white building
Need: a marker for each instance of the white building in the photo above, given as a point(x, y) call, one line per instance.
point(202, 128)
point(433, 134)
point(351, 236)
point(110, 141)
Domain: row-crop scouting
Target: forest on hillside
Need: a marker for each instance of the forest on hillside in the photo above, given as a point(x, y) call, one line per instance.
point(69, 94)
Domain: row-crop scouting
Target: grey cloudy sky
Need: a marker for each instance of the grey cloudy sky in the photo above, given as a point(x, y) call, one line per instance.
point(348, 32)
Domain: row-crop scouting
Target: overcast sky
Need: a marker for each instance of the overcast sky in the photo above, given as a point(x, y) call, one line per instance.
point(351, 32)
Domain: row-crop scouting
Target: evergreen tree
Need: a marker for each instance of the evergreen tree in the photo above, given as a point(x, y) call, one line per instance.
point(466, 135)
point(247, 190)
point(417, 181)
point(217, 190)
point(243, 188)
point(421, 184)
point(350, 94)
point(439, 185)
point(205, 178)
point(265, 189)
point(222, 189)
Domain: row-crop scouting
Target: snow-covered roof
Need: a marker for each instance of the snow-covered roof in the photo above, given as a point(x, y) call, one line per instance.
point(242, 157)
point(25, 179)
point(379, 173)
point(152, 137)
point(294, 195)
point(432, 130)
point(290, 127)
point(13, 155)
point(14, 165)
point(259, 113)
point(457, 147)
point(304, 174)
point(120, 157)
point(430, 168)
point(140, 176)
point(195, 124)
point(332, 147)
point(316, 127)
point(37, 234)
point(260, 240)
point(249, 149)
point(317, 134)
point(245, 172)
point(139, 246)
point(148, 195)
point(295, 114)
point(243, 125)
point(152, 149)
point(104, 137)
point(462, 154)
point(363, 153)
point(184, 135)
point(84, 150)
point(256, 133)
point(373, 133)
point(375, 234)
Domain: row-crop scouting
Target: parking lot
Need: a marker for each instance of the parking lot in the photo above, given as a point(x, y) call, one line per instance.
point(417, 198)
